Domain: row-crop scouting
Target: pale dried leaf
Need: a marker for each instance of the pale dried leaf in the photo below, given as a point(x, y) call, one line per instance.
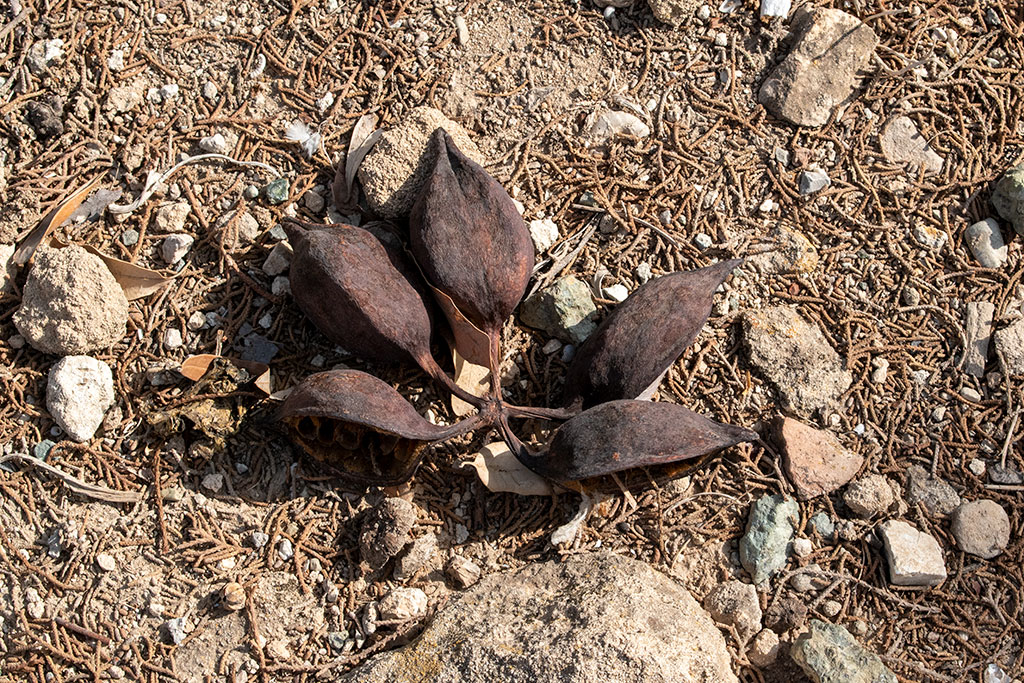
point(194, 367)
point(473, 344)
point(76, 484)
point(473, 378)
point(568, 531)
point(61, 213)
point(136, 281)
point(364, 137)
point(500, 471)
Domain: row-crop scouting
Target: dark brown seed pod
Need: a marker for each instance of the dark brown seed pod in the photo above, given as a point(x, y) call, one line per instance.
point(469, 239)
point(359, 425)
point(347, 283)
point(633, 347)
point(622, 435)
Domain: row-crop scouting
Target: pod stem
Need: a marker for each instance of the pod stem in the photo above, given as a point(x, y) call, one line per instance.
point(540, 413)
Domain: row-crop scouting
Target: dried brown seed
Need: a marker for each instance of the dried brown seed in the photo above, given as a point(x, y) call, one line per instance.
point(347, 283)
point(359, 425)
point(628, 354)
point(232, 596)
point(621, 435)
point(469, 239)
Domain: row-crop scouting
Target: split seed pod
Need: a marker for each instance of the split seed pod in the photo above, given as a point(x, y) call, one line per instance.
point(471, 243)
point(347, 283)
point(622, 435)
point(626, 357)
point(359, 425)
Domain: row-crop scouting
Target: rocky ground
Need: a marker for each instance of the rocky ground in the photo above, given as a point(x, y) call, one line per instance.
point(859, 156)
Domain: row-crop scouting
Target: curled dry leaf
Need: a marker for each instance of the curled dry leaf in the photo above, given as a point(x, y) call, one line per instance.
point(622, 435)
point(344, 280)
point(54, 218)
point(643, 336)
point(469, 239)
point(77, 485)
point(136, 281)
point(360, 425)
point(194, 367)
point(500, 471)
point(363, 138)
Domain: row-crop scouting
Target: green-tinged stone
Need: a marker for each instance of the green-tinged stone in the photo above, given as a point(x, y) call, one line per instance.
point(829, 654)
point(769, 530)
point(1008, 198)
point(42, 449)
point(563, 310)
point(276, 191)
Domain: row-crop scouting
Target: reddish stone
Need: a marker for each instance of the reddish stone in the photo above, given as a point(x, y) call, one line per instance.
point(814, 460)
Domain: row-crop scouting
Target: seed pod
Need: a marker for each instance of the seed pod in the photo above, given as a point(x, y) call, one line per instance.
point(347, 283)
point(629, 353)
point(621, 435)
point(359, 425)
point(469, 239)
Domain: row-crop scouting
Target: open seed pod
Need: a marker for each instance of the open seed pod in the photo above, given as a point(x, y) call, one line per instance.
point(629, 353)
point(347, 283)
point(470, 241)
point(622, 435)
point(359, 425)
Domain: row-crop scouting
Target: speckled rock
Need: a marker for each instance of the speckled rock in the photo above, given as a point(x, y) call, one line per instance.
point(794, 355)
point(869, 496)
point(72, 305)
point(79, 390)
point(793, 253)
point(595, 617)
point(1010, 342)
point(1008, 198)
point(386, 530)
point(814, 460)
point(981, 528)
point(770, 528)
point(563, 309)
point(937, 496)
point(829, 654)
point(673, 12)
point(735, 603)
point(820, 71)
point(902, 142)
point(393, 172)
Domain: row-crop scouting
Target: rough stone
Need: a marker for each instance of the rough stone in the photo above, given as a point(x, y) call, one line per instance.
point(928, 236)
point(393, 172)
point(770, 528)
point(8, 268)
point(595, 617)
point(72, 304)
point(902, 142)
point(914, 557)
point(673, 12)
point(785, 614)
point(979, 331)
point(1010, 343)
point(869, 496)
point(829, 654)
point(813, 180)
point(248, 229)
point(764, 648)
point(937, 497)
point(609, 124)
point(820, 71)
point(276, 191)
point(403, 603)
point(814, 460)
point(793, 253)
point(735, 603)
point(415, 557)
point(171, 217)
point(45, 119)
point(544, 233)
point(124, 98)
point(564, 310)
point(981, 528)
point(1008, 198)
point(386, 530)
point(985, 240)
point(824, 525)
point(278, 260)
point(176, 246)
point(462, 571)
point(795, 357)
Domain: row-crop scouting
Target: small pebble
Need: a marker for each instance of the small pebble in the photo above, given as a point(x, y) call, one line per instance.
point(175, 247)
point(172, 339)
point(802, 547)
point(176, 630)
point(985, 241)
point(209, 91)
point(251, 192)
point(278, 259)
point(215, 143)
point(258, 539)
point(130, 237)
point(813, 180)
point(977, 467)
point(801, 583)
point(970, 394)
point(831, 608)
point(196, 321)
point(106, 562)
point(617, 293)
point(703, 241)
point(981, 528)
point(276, 191)
point(213, 482)
point(285, 550)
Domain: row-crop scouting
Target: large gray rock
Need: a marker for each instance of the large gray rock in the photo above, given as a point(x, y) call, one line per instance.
point(981, 528)
point(596, 617)
point(820, 71)
point(795, 357)
point(393, 172)
point(72, 305)
point(936, 495)
point(770, 528)
point(79, 390)
point(829, 654)
point(564, 309)
point(1008, 198)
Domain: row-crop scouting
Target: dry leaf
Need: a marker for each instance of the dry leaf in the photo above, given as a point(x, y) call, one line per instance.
point(473, 344)
point(473, 378)
point(499, 470)
point(568, 531)
point(76, 484)
point(51, 220)
point(136, 281)
point(195, 367)
point(363, 138)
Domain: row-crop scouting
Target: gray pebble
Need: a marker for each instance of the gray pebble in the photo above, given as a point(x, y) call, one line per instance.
point(130, 237)
point(986, 243)
point(813, 180)
point(251, 192)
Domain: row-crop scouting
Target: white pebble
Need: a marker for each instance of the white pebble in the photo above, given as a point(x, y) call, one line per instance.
point(172, 339)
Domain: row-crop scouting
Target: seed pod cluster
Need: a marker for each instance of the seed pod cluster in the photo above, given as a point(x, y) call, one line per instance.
point(474, 256)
